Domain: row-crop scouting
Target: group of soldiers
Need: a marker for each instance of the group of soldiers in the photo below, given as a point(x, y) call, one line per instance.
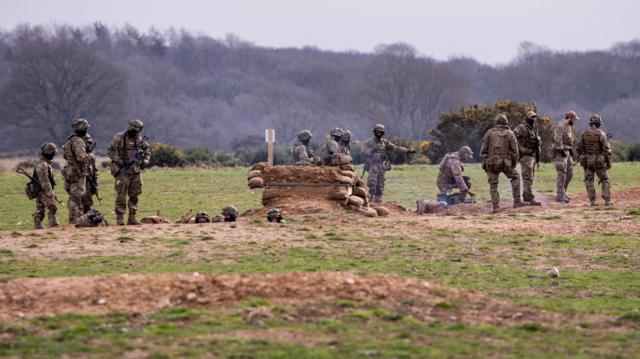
point(336, 151)
point(129, 154)
point(502, 149)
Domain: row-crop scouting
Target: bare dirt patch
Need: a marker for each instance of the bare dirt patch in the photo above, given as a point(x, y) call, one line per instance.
point(148, 293)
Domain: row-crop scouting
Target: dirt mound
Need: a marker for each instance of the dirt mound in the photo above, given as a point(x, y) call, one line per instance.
point(147, 293)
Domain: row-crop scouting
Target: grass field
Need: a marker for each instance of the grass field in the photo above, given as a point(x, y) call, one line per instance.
point(595, 301)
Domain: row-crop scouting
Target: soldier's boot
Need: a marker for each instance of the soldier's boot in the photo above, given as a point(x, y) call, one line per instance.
point(515, 188)
point(51, 214)
point(606, 193)
point(533, 202)
point(132, 221)
point(37, 221)
point(120, 219)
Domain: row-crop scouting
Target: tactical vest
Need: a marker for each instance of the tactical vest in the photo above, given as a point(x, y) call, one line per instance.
point(567, 135)
point(499, 144)
point(591, 143)
point(127, 147)
point(67, 151)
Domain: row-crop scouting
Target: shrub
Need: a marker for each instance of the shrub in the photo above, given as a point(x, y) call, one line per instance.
point(199, 156)
point(166, 155)
point(633, 153)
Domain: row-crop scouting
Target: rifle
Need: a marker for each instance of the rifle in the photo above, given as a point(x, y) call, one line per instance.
point(367, 164)
point(93, 181)
point(136, 156)
point(36, 185)
point(535, 143)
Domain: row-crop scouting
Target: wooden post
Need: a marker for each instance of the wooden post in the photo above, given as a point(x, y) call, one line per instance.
point(270, 137)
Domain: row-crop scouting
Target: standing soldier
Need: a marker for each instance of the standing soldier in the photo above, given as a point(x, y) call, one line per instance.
point(332, 147)
point(562, 149)
point(499, 154)
point(129, 154)
point(377, 163)
point(345, 143)
point(46, 198)
point(300, 150)
point(75, 171)
point(595, 158)
point(92, 176)
point(529, 144)
point(450, 174)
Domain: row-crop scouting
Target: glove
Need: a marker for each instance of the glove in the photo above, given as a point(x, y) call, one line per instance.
point(145, 163)
point(412, 152)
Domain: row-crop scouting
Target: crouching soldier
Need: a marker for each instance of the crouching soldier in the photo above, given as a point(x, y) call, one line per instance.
point(46, 199)
point(129, 154)
point(450, 175)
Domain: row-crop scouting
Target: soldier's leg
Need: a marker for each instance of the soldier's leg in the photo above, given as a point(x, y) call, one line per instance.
point(135, 190)
point(51, 214)
point(38, 215)
point(588, 183)
point(372, 183)
point(381, 174)
point(527, 167)
point(603, 176)
point(493, 179)
point(514, 177)
point(87, 199)
point(76, 191)
point(561, 173)
point(569, 175)
point(121, 187)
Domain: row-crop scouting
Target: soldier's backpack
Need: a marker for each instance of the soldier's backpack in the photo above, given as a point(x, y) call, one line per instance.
point(92, 218)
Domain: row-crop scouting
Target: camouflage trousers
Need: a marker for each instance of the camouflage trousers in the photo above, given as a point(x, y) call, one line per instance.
point(87, 199)
point(446, 185)
point(494, 178)
point(128, 184)
point(528, 170)
point(375, 182)
point(603, 178)
point(564, 171)
point(76, 186)
point(48, 204)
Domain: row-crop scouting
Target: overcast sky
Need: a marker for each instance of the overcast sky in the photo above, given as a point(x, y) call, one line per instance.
point(489, 30)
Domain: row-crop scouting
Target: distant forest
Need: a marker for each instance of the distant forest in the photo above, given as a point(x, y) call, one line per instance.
point(194, 90)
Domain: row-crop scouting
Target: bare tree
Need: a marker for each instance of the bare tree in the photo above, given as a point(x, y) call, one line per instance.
point(53, 82)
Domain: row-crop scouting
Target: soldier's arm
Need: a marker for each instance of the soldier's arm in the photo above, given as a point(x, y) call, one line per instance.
point(558, 134)
point(456, 170)
point(79, 148)
point(389, 146)
point(366, 149)
point(579, 145)
point(146, 156)
point(514, 149)
point(300, 153)
point(484, 150)
point(606, 146)
point(112, 151)
point(42, 174)
point(521, 138)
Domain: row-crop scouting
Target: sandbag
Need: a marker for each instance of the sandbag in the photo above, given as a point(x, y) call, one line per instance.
point(254, 173)
point(256, 182)
point(356, 201)
point(347, 173)
point(339, 195)
point(347, 167)
point(344, 179)
point(381, 211)
point(259, 166)
point(269, 194)
point(368, 211)
point(361, 192)
point(360, 183)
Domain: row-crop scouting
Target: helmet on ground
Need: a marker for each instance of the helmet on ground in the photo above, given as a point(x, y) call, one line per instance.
point(218, 218)
point(202, 217)
point(595, 120)
point(48, 148)
point(230, 213)
point(135, 125)
point(274, 215)
point(466, 150)
point(571, 114)
point(531, 114)
point(80, 124)
point(379, 127)
point(336, 132)
point(304, 135)
point(502, 120)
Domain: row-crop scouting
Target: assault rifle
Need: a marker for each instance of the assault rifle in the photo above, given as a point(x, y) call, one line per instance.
point(35, 187)
point(535, 144)
point(92, 178)
point(136, 156)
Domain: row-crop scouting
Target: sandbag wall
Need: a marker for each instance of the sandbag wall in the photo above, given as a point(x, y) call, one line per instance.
point(339, 185)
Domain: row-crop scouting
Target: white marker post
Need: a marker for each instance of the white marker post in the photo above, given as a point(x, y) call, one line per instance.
point(270, 138)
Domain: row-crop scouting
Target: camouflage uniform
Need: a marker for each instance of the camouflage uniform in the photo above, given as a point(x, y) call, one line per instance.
point(46, 197)
point(450, 173)
point(563, 157)
point(345, 143)
point(128, 180)
point(529, 144)
point(595, 158)
point(92, 175)
point(75, 171)
point(331, 148)
point(499, 154)
point(374, 153)
point(300, 150)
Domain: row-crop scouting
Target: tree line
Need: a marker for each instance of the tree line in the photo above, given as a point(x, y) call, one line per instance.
point(193, 90)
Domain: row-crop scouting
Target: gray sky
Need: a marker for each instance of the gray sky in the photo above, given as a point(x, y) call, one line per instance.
point(489, 30)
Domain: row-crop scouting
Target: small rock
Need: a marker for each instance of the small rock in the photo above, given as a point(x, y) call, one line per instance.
point(191, 296)
point(350, 280)
point(553, 272)
point(101, 301)
point(195, 274)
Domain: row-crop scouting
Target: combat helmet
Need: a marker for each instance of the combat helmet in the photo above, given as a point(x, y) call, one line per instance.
point(202, 217)
point(595, 120)
point(48, 148)
point(274, 215)
point(571, 114)
point(217, 218)
point(80, 124)
point(531, 114)
point(346, 136)
point(379, 127)
point(502, 120)
point(230, 213)
point(135, 125)
point(466, 150)
point(336, 132)
point(304, 135)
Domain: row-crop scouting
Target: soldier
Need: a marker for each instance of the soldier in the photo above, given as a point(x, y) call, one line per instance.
point(46, 197)
point(92, 176)
point(499, 154)
point(595, 158)
point(450, 175)
point(300, 150)
point(345, 143)
point(332, 147)
point(529, 144)
point(230, 213)
point(129, 154)
point(275, 216)
point(75, 171)
point(562, 154)
point(377, 163)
